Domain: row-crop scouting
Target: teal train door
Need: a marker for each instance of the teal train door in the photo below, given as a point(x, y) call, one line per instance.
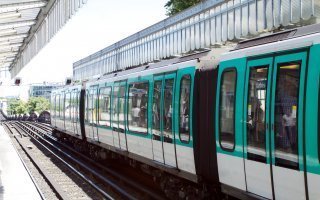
point(256, 129)
point(287, 128)
point(163, 139)
point(118, 115)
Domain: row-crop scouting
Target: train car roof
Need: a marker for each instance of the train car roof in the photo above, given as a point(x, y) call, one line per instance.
point(162, 66)
point(281, 41)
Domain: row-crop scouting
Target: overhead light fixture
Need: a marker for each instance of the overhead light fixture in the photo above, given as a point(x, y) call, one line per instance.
point(12, 37)
point(10, 46)
point(12, 25)
point(12, 15)
point(5, 43)
point(7, 32)
point(21, 6)
point(7, 54)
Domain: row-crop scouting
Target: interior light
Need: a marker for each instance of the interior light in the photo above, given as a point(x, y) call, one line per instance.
point(12, 15)
point(290, 66)
point(261, 70)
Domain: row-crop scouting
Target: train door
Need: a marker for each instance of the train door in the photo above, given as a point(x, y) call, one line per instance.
point(163, 137)
point(90, 121)
point(157, 138)
point(88, 115)
point(312, 120)
point(74, 110)
point(62, 111)
point(94, 122)
point(229, 126)
point(122, 115)
point(287, 114)
point(115, 116)
point(118, 115)
point(256, 129)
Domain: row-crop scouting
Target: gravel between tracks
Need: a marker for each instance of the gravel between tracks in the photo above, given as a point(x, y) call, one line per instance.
point(69, 182)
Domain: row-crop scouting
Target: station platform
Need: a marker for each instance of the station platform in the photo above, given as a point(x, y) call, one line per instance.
point(15, 182)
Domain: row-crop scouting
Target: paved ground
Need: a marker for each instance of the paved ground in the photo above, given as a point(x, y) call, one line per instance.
point(15, 182)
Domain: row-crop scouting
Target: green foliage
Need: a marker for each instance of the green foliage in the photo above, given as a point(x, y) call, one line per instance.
point(35, 104)
point(175, 6)
point(17, 106)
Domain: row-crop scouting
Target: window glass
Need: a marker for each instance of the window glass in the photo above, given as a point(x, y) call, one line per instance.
point(74, 102)
point(156, 106)
point(121, 106)
point(256, 113)
point(168, 110)
point(115, 107)
point(57, 106)
point(184, 108)
point(105, 106)
point(227, 108)
point(89, 108)
point(138, 107)
point(61, 105)
point(68, 106)
point(286, 112)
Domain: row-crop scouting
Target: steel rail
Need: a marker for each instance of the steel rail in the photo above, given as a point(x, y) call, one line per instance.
point(131, 183)
point(79, 163)
point(7, 129)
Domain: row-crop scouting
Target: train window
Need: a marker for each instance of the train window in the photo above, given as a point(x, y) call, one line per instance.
point(104, 106)
point(121, 106)
point(57, 106)
point(256, 114)
point(286, 113)
point(227, 108)
point(89, 107)
point(184, 131)
point(156, 106)
point(168, 110)
point(138, 107)
point(68, 106)
point(61, 105)
point(115, 107)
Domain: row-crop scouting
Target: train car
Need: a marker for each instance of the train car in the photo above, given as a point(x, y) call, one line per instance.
point(268, 116)
point(65, 110)
point(44, 117)
point(247, 125)
point(146, 113)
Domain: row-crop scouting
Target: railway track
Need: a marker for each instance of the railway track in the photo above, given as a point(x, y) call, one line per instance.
point(105, 180)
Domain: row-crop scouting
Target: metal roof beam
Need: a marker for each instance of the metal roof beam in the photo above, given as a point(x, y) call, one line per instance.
point(21, 6)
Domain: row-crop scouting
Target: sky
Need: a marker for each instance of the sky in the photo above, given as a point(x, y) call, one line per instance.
point(98, 24)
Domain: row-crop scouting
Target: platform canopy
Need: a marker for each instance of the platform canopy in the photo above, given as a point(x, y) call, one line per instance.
point(209, 24)
point(27, 25)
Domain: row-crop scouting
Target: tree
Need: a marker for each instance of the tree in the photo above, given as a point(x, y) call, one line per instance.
point(175, 6)
point(17, 107)
point(38, 104)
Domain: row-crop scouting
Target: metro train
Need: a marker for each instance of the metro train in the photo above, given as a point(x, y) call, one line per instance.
point(245, 122)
